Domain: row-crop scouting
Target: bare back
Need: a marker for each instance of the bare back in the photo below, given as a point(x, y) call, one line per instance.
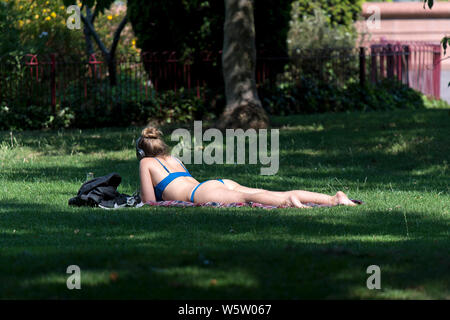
point(153, 172)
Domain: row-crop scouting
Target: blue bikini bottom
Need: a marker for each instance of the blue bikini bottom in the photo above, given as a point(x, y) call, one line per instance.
point(195, 189)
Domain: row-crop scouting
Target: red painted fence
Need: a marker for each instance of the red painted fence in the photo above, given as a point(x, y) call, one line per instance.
point(53, 80)
point(416, 64)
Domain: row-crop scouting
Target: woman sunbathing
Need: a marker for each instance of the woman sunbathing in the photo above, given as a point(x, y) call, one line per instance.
point(164, 177)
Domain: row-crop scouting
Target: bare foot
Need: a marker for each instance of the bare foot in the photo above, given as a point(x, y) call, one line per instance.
point(292, 201)
point(341, 199)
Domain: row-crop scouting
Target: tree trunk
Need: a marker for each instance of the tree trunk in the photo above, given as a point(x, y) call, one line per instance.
point(111, 61)
point(87, 35)
point(108, 54)
point(243, 108)
point(112, 52)
point(88, 41)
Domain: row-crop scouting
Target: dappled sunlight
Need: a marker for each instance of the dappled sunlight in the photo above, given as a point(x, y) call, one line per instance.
point(306, 151)
point(393, 288)
point(408, 145)
point(73, 141)
point(391, 293)
point(270, 238)
point(305, 128)
point(396, 166)
point(434, 170)
point(217, 278)
point(91, 278)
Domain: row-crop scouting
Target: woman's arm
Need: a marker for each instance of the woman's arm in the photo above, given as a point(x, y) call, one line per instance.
point(147, 191)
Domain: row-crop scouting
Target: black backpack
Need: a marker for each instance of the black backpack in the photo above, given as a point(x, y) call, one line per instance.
point(102, 192)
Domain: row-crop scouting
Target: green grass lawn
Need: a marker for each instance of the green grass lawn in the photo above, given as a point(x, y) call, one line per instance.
point(397, 162)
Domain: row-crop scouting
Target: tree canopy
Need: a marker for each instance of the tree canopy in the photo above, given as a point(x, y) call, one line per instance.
point(190, 27)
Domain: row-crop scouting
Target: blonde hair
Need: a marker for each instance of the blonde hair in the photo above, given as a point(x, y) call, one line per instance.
point(152, 144)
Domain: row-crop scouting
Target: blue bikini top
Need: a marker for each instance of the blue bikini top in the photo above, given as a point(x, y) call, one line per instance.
point(159, 188)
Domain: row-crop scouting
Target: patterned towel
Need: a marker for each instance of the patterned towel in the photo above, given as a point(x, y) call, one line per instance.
point(184, 204)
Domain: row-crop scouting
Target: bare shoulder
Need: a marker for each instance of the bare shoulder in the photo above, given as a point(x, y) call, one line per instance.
point(174, 161)
point(146, 162)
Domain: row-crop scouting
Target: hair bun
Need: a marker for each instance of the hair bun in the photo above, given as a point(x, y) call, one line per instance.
point(151, 133)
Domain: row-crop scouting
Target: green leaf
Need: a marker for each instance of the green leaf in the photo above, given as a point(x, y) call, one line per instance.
point(430, 3)
point(444, 42)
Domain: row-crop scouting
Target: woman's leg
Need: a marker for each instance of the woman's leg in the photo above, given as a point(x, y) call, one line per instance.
point(339, 198)
point(215, 191)
point(233, 185)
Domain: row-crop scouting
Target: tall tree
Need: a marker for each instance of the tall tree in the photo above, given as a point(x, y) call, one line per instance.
point(92, 8)
point(243, 107)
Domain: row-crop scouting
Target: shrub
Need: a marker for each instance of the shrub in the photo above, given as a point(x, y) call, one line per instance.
point(319, 50)
point(337, 12)
point(30, 117)
point(311, 96)
point(314, 32)
point(128, 103)
point(8, 29)
point(166, 107)
point(39, 27)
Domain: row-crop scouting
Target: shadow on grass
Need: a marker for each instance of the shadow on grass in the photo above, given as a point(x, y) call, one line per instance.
point(408, 151)
point(322, 253)
point(165, 253)
point(303, 176)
